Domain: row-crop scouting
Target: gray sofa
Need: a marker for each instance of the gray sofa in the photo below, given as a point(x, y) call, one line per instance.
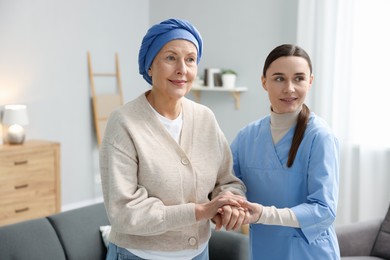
point(75, 235)
point(366, 240)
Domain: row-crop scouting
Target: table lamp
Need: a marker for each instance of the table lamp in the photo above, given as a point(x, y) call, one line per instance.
point(14, 118)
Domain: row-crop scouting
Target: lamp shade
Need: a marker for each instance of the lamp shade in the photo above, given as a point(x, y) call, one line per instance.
point(15, 114)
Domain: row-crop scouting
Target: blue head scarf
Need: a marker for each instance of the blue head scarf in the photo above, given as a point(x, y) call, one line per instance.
point(160, 34)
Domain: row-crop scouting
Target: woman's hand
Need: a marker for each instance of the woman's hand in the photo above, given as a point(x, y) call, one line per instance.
point(231, 217)
point(209, 209)
point(217, 220)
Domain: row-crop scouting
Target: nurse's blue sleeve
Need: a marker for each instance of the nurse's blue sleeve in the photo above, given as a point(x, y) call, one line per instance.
point(319, 213)
point(236, 160)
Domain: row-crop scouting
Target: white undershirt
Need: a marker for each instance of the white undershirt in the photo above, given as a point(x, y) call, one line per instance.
point(174, 128)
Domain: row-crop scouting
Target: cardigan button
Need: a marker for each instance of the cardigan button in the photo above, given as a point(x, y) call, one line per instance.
point(185, 161)
point(192, 241)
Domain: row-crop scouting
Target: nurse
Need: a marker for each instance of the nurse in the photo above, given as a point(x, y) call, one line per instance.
point(289, 162)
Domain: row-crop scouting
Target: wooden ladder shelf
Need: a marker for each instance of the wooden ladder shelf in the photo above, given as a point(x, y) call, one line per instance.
point(104, 104)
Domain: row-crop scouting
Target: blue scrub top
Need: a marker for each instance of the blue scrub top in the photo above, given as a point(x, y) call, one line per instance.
point(309, 188)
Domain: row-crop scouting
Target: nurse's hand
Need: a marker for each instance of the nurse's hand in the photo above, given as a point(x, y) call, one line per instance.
point(253, 210)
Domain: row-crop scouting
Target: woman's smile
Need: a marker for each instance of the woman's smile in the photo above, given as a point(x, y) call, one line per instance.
point(179, 83)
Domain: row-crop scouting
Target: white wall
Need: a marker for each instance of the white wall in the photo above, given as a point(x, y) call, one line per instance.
point(43, 64)
point(237, 35)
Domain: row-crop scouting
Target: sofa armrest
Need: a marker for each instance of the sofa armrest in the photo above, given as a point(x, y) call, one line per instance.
point(357, 239)
point(79, 231)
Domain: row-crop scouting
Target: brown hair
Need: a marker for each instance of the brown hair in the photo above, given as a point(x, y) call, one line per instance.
point(303, 117)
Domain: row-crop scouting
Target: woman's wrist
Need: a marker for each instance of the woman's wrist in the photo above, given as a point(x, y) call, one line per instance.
point(260, 212)
point(199, 212)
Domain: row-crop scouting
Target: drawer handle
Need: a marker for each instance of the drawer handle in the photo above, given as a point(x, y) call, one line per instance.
point(21, 162)
point(21, 210)
point(21, 186)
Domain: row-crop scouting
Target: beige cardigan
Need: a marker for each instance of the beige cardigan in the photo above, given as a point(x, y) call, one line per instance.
point(151, 183)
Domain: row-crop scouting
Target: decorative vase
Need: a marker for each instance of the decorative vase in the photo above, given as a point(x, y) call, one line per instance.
point(229, 80)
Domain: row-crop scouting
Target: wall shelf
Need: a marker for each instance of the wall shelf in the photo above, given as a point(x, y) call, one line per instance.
point(235, 92)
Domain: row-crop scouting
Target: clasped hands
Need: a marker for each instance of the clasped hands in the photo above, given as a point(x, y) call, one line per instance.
point(229, 210)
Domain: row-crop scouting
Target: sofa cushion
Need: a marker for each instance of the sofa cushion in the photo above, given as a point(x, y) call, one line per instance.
point(381, 246)
point(357, 239)
point(33, 240)
point(78, 231)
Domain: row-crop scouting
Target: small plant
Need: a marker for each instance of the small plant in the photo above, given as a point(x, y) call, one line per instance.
point(229, 71)
point(229, 78)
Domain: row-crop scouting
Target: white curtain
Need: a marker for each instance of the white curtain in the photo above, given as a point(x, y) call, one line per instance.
point(348, 42)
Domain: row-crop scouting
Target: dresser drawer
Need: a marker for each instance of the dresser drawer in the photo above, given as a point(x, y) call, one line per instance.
point(27, 162)
point(26, 186)
point(26, 209)
point(27, 197)
point(29, 181)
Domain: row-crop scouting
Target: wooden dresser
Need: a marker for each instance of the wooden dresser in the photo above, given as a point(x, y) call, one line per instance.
point(29, 181)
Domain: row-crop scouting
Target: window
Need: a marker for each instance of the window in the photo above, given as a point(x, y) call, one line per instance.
point(370, 73)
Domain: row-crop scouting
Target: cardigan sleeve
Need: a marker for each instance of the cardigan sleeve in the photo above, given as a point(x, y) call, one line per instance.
point(226, 180)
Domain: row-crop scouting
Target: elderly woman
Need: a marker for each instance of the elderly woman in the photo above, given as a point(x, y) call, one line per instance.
point(165, 164)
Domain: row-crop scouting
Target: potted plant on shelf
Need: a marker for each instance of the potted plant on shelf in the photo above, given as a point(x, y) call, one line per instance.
point(229, 78)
